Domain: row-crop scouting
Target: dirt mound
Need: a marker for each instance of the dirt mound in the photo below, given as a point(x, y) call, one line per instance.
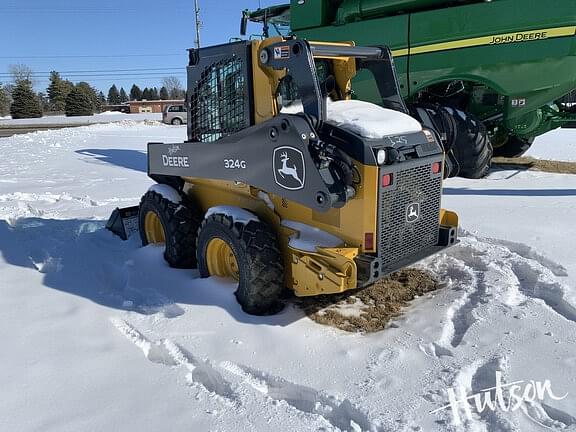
point(536, 164)
point(369, 310)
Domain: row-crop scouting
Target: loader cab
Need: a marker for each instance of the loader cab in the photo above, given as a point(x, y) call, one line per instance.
point(234, 86)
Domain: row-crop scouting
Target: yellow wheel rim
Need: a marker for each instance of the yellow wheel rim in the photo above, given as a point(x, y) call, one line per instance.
point(220, 259)
point(153, 228)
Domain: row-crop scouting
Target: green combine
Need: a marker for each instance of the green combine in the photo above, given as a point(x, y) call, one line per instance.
point(490, 76)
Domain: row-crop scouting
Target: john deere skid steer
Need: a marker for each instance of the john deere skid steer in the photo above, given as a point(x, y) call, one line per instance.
point(283, 182)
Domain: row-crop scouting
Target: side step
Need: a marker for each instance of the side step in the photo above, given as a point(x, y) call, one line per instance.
point(124, 222)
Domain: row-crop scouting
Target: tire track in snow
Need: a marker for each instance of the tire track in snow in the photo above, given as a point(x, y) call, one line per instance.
point(485, 269)
point(167, 353)
point(465, 272)
point(549, 417)
point(484, 377)
point(341, 414)
point(535, 283)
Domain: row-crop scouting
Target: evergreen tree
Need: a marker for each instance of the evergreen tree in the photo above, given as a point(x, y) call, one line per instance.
point(135, 93)
point(78, 103)
point(164, 93)
point(113, 95)
point(4, 102)
point(92, 94)
point(154, 94)
point(57, 92)
point(146, 94)
point(44, 102)
point(25, 103)
point(123, 96)
point(102, 99)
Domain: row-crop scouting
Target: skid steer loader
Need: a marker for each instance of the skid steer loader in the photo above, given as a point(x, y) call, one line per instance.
point(282, 185)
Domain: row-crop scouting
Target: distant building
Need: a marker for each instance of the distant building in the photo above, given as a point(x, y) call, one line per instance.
point(152, 106)
point(123, 108)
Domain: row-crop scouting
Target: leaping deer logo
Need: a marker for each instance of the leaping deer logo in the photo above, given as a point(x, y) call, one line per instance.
point(289, 176)
point(289, 171)
point(413, 212)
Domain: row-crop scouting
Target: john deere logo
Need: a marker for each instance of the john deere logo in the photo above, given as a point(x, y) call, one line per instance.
point(412, 212)
point(289, 168)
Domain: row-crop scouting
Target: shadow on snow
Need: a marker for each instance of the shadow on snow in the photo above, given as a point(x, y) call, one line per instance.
point(132, 159)
point(82, 258)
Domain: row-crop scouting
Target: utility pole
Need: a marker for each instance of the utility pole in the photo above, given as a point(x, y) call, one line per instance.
point(198, 23)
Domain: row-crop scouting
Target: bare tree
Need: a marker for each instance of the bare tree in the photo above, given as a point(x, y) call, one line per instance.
point(21, 72)
point(174, 87)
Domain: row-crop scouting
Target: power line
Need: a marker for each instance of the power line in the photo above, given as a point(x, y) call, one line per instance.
point(63, 11)
point(91, 56)
point(106, 72)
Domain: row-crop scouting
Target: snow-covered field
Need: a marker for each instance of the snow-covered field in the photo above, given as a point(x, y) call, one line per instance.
point(99, 334)
point(105, 117)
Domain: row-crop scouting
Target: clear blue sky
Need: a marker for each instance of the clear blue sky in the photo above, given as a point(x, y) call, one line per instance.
point(49, 35)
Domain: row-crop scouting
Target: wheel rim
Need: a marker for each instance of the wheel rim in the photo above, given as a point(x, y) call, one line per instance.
point(220, 259)
point(153, 228)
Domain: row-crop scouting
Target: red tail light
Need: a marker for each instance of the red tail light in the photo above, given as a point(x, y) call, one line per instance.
point(369, 241)
point(386, 180)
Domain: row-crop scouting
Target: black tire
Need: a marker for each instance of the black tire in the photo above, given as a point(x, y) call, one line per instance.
point(260, 265)
point(471, 145)
point(513, 147)
point(176, 121)
point(437, 118)
point(180, 223)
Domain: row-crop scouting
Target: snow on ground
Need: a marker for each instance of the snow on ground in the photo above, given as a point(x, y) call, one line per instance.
point(99, 334)
point(104, 117)
point(559, 144)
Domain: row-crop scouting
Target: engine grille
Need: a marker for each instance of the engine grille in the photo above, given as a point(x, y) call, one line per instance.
point(398, 238)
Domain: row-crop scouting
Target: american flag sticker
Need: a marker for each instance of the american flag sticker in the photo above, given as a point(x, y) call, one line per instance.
point(282, 52)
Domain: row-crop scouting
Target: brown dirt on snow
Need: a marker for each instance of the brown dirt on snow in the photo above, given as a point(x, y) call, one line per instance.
point(529, 163)
point(381, 302)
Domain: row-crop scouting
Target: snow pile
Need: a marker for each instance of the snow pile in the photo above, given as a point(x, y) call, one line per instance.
point(363, 118)
point(369, 120)
point(307, 238)
point(111, 113)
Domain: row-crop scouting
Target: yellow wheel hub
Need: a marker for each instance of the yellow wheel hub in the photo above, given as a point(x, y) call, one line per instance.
point(153, 228)
point(221, 260)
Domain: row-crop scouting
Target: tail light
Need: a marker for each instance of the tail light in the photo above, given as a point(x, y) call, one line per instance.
point(387, 180)
point(368, 241)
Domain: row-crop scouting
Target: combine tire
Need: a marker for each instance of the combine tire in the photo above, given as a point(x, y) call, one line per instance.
point(162, 221)
point(471, 145)
point(247, 252)
point(514, 147)
point(465, 139)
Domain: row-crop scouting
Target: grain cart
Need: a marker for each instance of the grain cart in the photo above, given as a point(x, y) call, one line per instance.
point(506, 63)
point(284, 182)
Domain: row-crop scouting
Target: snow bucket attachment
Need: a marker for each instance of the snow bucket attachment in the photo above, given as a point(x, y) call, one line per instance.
point(124, 222)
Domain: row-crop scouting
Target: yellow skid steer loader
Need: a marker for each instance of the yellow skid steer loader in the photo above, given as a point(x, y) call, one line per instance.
point(287, 181)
